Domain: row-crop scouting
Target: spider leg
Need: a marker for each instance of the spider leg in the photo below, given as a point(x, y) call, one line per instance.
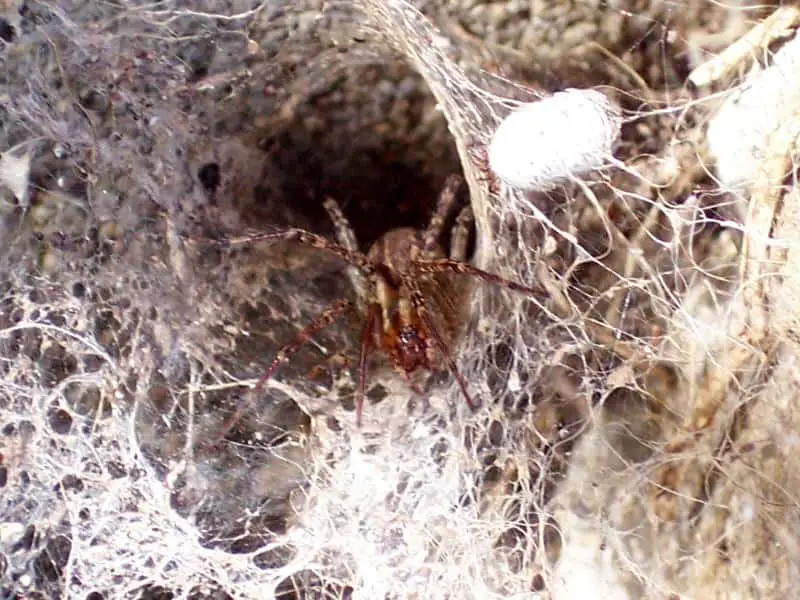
point(418, 302)
point(446, 199)
point(459, 238)
point(323, 320)
point(347, 238)
point(320, 322)
point(355, 258)
point(344, 232)
point(440, 265)
point(479, 153)
point(371, 324)
point(410, 383)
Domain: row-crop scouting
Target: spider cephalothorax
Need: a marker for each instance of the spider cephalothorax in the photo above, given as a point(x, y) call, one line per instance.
point(403, 334)
point(405, 289)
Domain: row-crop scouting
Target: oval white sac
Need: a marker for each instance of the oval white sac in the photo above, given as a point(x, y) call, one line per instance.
point(555, 139)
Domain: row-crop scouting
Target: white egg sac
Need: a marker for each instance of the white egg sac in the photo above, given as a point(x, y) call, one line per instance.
point(555, 139)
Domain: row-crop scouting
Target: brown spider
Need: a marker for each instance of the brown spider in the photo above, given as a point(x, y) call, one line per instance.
point(404, 286)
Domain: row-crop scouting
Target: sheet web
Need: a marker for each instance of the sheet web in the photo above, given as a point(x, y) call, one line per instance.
point(531, 359)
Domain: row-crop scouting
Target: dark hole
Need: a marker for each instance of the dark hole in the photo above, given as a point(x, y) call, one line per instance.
point(26, 541)
point(78, 289)
point(61, 421)
point(274, 558)
point(537, 585)
point(84, 400)
point(209, 176)
point(92, 363)
point(72, 482)
point(349, 402)
point(57, 365)
point(250, 543)
point(49, 565)
point(3, 476)
point(155, 592)
point(95, 100)
point(6, 31)
point(116, 469)
point(376, 393)
point(496, 433)
point(724, 550)
point(493, 474)
point(203, 593)
point(440, 449)
point(95, 596)
point(307, 584)
point(200, 71)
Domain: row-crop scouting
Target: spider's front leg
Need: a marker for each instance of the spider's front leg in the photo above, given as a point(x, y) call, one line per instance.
point(353, 257)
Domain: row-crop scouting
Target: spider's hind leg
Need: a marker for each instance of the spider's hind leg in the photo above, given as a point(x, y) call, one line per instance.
point(459, 238)
point(436, 225)
point(301, 236)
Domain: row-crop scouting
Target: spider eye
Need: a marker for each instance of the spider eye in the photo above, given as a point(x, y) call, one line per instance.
point(407, 336)
point(411, 339)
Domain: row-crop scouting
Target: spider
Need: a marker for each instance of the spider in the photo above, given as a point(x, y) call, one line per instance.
point(405, 290)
